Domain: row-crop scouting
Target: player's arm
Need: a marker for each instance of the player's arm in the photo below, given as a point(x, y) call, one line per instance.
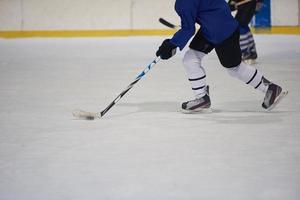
point(187, 10)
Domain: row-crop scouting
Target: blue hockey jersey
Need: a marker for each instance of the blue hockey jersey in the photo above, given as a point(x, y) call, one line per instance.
point(213, 16)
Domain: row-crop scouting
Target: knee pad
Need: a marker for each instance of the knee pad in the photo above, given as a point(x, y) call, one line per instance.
point(235, 71)
point(195, 72)
point(247, 74)
point(192, 58)
point(242, 72)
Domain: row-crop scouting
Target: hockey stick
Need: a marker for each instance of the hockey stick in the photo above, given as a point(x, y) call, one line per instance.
point(173, 26)
point(168, 24)
point(80, 114)
point(238, 4)
point(242, 2)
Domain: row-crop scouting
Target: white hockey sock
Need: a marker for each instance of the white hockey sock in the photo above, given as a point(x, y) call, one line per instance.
point(195, 72)
point(249, 75)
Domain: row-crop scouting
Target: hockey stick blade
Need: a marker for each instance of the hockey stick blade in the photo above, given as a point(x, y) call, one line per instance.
point(168, 24)
point(80, 114)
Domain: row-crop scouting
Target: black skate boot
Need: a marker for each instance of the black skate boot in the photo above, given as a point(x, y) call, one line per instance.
point(197, 105)
point(273, 96)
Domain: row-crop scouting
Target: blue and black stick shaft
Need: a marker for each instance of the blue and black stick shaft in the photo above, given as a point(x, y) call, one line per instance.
point(102, 113)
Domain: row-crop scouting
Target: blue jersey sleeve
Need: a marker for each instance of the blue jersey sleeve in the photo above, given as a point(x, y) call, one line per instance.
point(188, 15)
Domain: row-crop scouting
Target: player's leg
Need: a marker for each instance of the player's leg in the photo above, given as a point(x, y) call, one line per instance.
point(192, 62)
point(229, 54)
point(247, 45)
point(244, 15)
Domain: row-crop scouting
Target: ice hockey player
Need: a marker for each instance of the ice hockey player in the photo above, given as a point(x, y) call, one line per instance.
point(219, 31)
point(246, 9)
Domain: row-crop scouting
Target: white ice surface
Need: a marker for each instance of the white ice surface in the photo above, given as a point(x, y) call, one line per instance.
point(144, 148)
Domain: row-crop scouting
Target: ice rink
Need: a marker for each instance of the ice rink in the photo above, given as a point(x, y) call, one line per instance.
point(144, 148)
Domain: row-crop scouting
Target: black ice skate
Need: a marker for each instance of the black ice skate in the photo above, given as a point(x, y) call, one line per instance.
point(273, 96)
point(197, 105)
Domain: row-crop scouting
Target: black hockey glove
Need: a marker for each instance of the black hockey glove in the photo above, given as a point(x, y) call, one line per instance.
point(166, 50)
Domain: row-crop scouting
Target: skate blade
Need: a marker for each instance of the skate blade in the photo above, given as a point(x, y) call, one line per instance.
point(277, 100)
point(197, 111)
